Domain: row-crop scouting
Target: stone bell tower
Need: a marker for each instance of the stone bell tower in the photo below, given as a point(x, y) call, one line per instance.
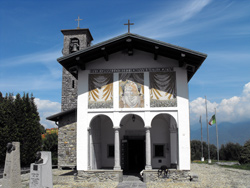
point(74, 40)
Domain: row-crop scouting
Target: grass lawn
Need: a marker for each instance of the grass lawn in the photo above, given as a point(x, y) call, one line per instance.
point(243, 166)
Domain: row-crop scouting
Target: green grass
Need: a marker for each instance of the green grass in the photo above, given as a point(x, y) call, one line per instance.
point(243, 166)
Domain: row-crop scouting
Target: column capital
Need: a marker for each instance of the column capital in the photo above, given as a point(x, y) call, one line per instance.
point(116, 128)
point(147, 127)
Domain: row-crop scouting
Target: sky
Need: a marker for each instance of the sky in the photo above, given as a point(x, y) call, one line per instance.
point(31, 41)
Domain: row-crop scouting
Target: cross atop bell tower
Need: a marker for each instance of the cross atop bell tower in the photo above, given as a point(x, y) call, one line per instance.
point(78, 22)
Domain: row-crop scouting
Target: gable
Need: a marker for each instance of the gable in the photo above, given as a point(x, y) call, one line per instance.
point(189, 59)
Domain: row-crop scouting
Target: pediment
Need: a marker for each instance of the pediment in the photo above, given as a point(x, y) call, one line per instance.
point(189, 59)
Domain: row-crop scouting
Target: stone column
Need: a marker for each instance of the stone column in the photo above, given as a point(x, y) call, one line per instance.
point(173, 147)
point(89, 151)
point(148, 149)
point(117, 150)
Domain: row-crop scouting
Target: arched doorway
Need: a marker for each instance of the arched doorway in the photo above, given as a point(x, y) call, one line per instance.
point(164, 139)
point(132, 136)
point(101, 143)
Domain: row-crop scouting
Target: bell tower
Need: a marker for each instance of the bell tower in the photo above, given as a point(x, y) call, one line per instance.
point(74, 40)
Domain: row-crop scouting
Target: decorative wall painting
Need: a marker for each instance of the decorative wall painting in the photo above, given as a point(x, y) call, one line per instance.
point(131, 90)
point(100, 91)
point(163, 89)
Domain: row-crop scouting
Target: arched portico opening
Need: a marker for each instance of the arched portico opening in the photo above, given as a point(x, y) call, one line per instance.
point(132, 134)
point(164, 139)
point(101, 143)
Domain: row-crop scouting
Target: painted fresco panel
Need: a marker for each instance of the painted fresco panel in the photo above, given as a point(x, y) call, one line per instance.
point(100, 91)
point(163, 89)
point(131, 90)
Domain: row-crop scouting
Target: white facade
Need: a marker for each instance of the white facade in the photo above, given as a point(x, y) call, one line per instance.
point(99, 128)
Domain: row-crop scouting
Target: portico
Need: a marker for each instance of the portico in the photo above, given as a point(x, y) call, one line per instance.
point(132, 103)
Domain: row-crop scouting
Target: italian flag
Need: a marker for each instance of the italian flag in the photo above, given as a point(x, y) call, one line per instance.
point(212, 120)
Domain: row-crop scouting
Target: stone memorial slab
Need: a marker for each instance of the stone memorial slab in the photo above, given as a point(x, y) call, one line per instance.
point(12, 167)
point(41, 171)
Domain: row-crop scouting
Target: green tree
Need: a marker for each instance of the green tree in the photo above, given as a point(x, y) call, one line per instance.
point(230, 151)
point(19, 121)
point(50, 143)
point(196, 150)
point(42, 129)
point(245, 153)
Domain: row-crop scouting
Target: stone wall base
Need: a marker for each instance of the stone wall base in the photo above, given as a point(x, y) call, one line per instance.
point(173, 175)
point(100, 176)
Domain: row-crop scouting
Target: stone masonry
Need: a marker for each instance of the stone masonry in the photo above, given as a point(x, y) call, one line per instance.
point(67, 123)
point(69, 82)
point(67, 141)
point(69, 91)
point(173, 175)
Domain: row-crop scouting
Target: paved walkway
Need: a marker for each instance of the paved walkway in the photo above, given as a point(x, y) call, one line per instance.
point(131, 181)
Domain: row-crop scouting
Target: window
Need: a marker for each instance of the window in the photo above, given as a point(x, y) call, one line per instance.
point(111, 150)
point(159, 150)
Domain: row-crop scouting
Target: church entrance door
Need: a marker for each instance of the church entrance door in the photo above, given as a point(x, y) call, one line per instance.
point(133, 154)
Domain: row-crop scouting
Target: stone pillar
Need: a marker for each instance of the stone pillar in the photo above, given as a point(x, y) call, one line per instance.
point(148, 149)
point(89, 151)
point(117, 150)
point(173, 147)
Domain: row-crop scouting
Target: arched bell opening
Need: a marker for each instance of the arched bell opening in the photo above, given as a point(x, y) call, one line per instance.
point(164, 140)
point(101, 143)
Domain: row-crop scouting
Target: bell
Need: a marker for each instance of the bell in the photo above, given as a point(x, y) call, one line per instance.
point(74, 49)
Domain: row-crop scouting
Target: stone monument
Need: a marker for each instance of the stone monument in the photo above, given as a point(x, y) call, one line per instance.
point(41, 171)
point(12, 167)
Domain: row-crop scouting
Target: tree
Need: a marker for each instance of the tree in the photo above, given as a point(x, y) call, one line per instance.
point(50, 143)
point(19, 121)
point(230, 151)
point(196, 150)
point(245, 153)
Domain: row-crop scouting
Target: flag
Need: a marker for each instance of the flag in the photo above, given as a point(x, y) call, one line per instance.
point(200, 120)
point(212, 120)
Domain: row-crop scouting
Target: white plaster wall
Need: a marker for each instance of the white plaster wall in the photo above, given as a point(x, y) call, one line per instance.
point(160, 135)
point(138, 60)
point(107, 139)
point(82, 121)
point(184, 159)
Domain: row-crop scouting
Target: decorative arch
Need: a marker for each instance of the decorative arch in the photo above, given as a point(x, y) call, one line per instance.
point(164, 138)
point(101, 142)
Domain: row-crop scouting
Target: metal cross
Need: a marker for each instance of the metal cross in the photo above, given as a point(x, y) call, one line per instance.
point(129, 24)
point(78, 22)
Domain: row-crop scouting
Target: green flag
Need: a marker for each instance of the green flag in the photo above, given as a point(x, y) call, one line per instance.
point(212, 120)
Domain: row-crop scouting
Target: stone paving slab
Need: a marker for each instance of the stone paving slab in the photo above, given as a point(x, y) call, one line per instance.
point(134, 184)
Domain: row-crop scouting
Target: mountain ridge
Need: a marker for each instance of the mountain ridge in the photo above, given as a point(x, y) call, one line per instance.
point(227, 132)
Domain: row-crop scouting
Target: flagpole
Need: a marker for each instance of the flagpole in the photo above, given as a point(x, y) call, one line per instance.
point(202, 158)
point(208, 150)
point(218, 155)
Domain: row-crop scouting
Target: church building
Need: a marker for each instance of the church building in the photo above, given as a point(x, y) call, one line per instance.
point(125, 105)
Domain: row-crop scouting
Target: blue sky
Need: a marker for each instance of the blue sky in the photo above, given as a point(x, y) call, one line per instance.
point(31, 41)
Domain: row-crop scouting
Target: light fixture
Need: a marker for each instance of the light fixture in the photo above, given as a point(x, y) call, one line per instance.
point(133, 118)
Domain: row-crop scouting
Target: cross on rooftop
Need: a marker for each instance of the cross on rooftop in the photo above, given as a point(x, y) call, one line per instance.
point(129, 24)
point(78, 22)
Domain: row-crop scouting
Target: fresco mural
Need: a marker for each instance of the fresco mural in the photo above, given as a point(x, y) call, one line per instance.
point(100, 91)
point(162, 89)
point(131, 90)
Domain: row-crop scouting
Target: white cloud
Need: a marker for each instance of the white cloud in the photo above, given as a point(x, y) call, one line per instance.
point(47, 108)
point(41, 57)
point(234, 109)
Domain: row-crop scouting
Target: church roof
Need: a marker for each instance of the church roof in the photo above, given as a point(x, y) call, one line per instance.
point(187, 58)
point(56, 117)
